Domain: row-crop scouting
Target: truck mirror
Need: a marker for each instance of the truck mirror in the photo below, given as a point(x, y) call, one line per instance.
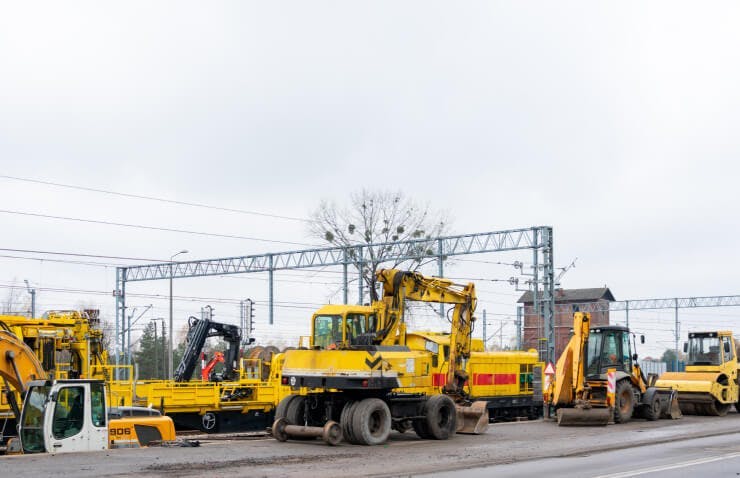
point(642, 339)
point(634, 357)
point(685, 347)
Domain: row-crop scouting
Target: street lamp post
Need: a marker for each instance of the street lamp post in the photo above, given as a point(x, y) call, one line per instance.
point(170, 369)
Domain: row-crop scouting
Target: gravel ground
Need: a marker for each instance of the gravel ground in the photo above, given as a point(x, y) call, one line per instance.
point(403, 455)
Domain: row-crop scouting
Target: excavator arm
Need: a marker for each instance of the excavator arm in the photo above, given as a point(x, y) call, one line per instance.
point(18, 363)
point(402, 286)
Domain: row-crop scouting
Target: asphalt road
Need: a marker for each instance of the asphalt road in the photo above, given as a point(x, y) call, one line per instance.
point(529, 444)
point(717, 456)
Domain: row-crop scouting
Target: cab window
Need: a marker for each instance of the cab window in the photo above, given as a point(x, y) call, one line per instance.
point(327, 329)
point(68, 412)
point(727, 349)
point(97, 397)
point(32, 428)
point(355, 326)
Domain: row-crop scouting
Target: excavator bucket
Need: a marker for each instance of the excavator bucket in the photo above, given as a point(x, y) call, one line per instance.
point(472, 419)
point(580, 416)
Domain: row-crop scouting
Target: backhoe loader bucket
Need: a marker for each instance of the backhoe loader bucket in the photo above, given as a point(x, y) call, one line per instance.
point(472, 419)
point(580, 416)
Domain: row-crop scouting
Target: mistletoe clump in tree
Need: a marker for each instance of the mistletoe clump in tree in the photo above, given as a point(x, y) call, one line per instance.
point(380, 222)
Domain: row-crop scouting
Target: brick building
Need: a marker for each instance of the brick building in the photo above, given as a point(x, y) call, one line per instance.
point(596, 301)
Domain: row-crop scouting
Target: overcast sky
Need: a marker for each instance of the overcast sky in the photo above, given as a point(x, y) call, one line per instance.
point(614, 122)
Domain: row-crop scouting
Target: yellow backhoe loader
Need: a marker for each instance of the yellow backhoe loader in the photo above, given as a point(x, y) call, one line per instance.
point(579, 391)
point(70, 415)
point(709, 386)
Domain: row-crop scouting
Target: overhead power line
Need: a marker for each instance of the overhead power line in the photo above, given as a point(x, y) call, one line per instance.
point(152, 198)
point(152, 228)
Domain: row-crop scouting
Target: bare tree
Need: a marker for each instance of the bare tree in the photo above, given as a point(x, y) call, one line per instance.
point(16, 302)
point(386, 218)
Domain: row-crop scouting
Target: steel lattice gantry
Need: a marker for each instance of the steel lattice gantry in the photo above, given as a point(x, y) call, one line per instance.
point(539, 239)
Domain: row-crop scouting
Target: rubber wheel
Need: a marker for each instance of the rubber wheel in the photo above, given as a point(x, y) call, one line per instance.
point(346, 421)
point(421, 429)
point(371, 422)
point(652, 411)
point(441, 417)
point(737, 407)
point(282, 407)
point(294, 412)
point(625, 402)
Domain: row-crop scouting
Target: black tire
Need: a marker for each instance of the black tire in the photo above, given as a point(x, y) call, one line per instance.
point(441, 417)
point(624, 402)
point(345, 421)
point(294, 412)
point(371, 422)
point(737, 407)
point(283, 406)
point(651, 411)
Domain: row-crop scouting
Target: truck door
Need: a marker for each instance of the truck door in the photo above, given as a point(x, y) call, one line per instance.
point(68, 426)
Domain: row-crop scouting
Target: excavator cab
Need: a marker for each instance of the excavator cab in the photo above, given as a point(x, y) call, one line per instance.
point(64, 416)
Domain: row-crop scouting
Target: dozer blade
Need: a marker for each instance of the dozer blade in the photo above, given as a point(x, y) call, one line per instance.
point(583, 417)
point(472, 419)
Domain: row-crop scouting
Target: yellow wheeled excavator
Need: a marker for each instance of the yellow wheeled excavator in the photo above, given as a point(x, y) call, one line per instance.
point(709, 385)
point(579, 391)
point(60, 416)
point(359, 378)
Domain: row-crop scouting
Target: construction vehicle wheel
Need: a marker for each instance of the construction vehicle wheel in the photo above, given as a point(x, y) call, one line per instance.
point(441, 417)
point(294, 412)
point(345, 421)
point(717, 409)
point(282, 407)
point(625, 402)
point(652, 410)
point(421, 429)
point(737, 407)
point(371, 422)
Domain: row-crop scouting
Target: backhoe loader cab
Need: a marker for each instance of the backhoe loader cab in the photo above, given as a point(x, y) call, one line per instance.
point(608, 347)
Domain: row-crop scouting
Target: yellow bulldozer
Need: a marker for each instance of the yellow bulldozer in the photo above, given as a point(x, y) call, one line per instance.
point(709, 386)
point(579, 391)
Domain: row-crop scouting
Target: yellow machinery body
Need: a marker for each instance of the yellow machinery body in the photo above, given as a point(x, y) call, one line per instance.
point(709, 385)
point(46, 416)
point(363, 370)
point(579, 391)
point(241, 405)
